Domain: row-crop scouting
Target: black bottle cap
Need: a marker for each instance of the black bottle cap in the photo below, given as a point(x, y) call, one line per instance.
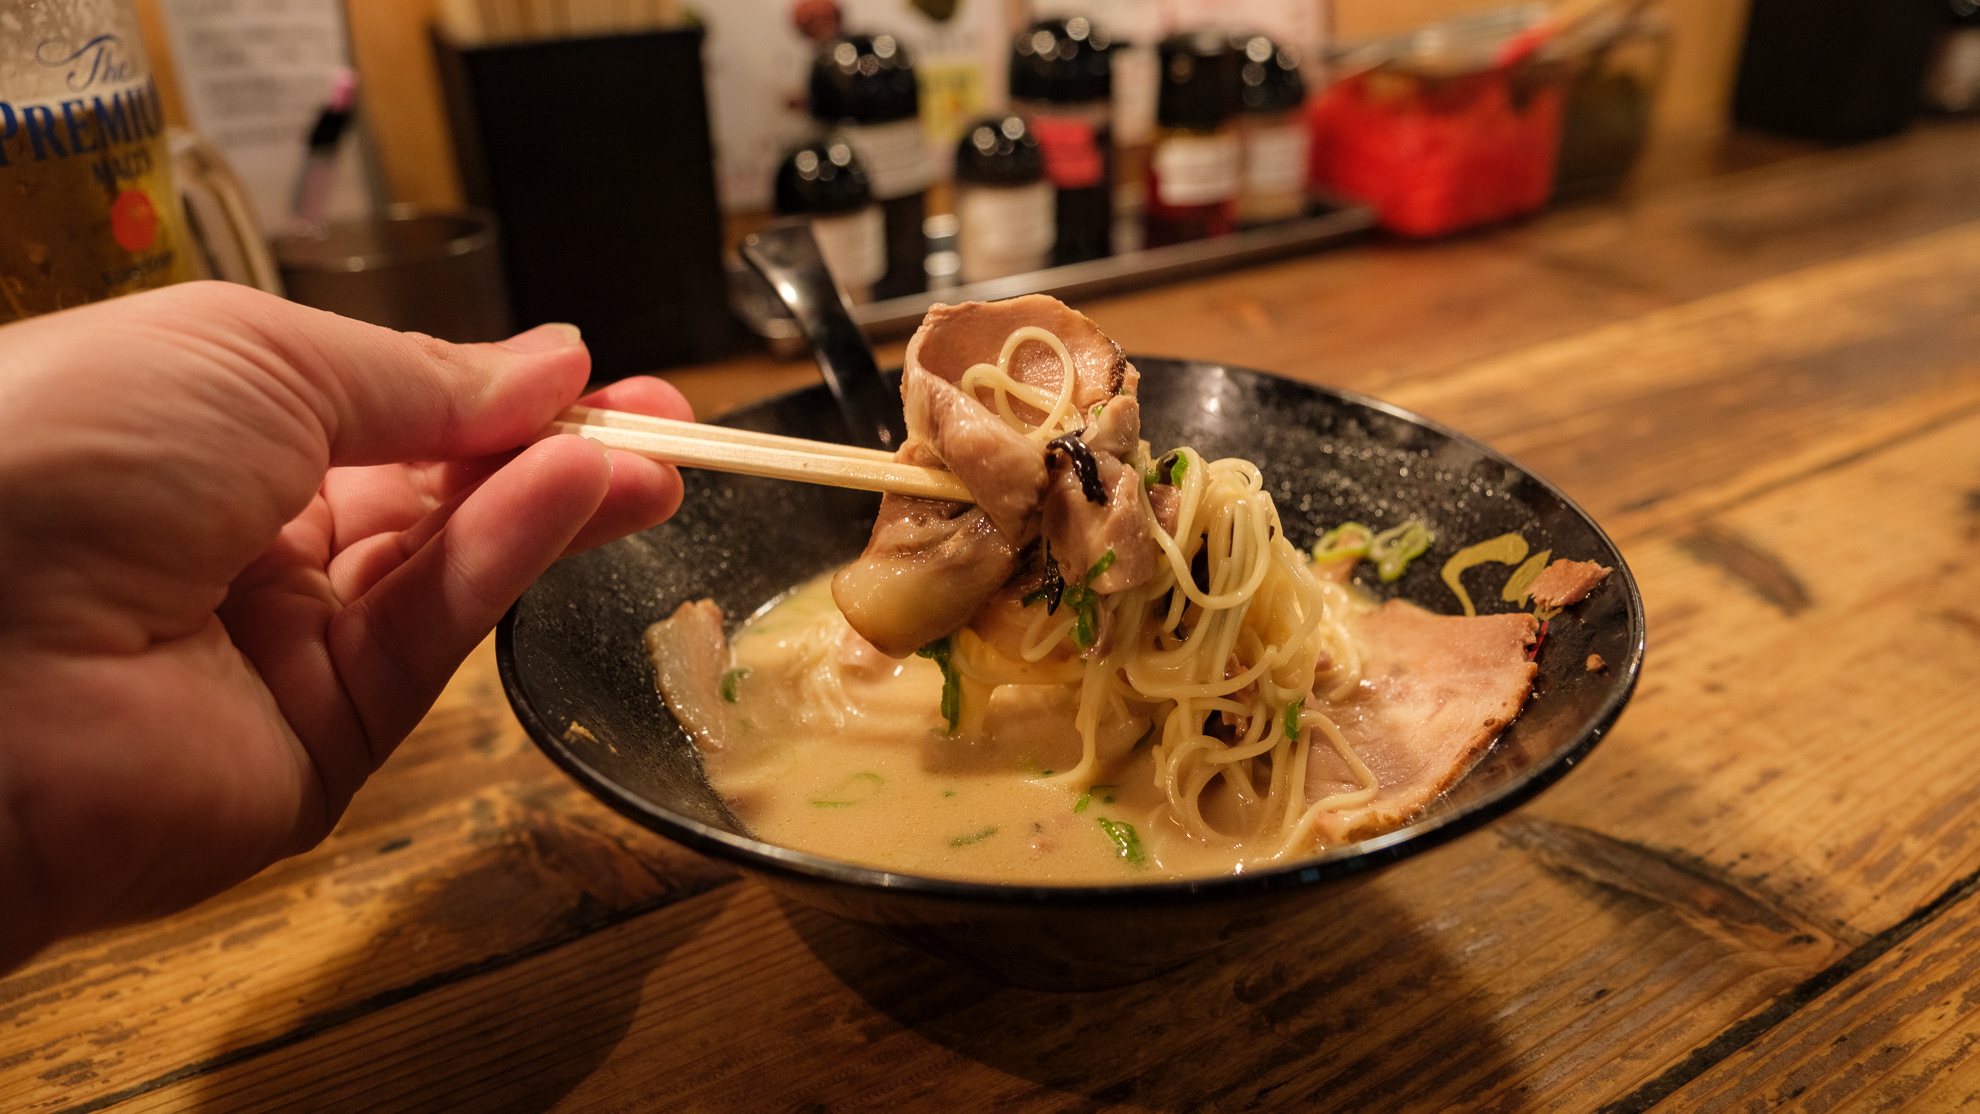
point(1199, 81)
point(863, 79)
point(1268, 75)
point(1062, 61)
point(999, 151)
point(822, 177)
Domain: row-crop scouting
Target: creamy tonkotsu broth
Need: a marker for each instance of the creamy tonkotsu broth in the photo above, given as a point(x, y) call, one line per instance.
point(836, 749)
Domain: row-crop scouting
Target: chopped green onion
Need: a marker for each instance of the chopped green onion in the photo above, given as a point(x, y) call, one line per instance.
point(1085, 604)
point(1105, 562)
point(1292, 721)
point(1349, 539)
point(1087, 797)
point(1392, 550)
point(1178, 469)
point(729, 680)
point(938, 652)
point(1040, 596)
point(973, 837)
point(1126, 843)
point(843, 795)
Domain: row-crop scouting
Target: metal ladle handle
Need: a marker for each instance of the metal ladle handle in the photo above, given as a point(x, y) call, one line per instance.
point(787, 256)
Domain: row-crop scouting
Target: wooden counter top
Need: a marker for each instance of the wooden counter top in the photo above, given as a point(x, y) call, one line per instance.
point(1758, 892)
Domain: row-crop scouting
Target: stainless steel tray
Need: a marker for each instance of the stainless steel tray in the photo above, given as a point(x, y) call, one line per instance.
point(760, 311)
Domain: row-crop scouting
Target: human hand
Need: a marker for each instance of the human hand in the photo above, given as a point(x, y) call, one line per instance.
point(225, 597)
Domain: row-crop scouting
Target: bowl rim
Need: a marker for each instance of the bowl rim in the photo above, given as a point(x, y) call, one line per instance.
point(1340, 862)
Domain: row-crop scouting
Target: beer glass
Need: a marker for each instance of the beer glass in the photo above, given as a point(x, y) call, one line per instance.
point(88, 209)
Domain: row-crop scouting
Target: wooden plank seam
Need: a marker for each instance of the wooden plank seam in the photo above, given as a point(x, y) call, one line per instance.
point(1743, 1033)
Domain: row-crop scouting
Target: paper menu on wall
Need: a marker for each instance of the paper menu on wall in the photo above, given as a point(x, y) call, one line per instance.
point(254, 74)
point(759, 65)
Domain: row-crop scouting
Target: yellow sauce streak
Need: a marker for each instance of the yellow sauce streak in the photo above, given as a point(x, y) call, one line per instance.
point(1523, 577)
point(1506, 549)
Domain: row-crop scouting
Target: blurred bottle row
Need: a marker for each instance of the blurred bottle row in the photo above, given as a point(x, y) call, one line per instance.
point(1429, 128)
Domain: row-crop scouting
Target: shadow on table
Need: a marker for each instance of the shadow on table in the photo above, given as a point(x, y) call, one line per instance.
point(1309, 1014)
point(500, 983)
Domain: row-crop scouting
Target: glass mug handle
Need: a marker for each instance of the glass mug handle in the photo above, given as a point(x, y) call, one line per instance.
point(231, 243)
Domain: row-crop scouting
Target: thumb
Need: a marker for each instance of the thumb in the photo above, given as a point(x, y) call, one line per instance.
point(379, 396)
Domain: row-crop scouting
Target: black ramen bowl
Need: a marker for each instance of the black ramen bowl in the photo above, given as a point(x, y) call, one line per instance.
point(570, 652)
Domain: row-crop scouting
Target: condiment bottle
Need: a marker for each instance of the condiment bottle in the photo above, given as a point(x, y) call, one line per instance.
point(825, 181)
point(91, 211)
point(1004, 202)
point(1272, 131)
point(1062, 80)
point(1194, 173)
point(864, 86)
point(1952, 81)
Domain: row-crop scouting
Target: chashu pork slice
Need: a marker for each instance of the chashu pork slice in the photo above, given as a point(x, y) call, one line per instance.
point(1435, 691)
point(1081, 530)
point(927, 568)
point(930, 565)
point(689, 655)
point(1002, 468)
point(954, 338)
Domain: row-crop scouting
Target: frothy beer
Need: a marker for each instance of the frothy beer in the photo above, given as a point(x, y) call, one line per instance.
point(87, 205)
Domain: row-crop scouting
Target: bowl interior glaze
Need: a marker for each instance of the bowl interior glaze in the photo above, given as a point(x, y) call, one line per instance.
point(570, 653)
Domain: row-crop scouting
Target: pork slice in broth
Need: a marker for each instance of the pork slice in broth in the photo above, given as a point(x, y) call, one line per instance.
point(689, 655)
point(1435, 691)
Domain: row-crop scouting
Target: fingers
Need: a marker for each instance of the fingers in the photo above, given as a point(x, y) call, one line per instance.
point(644, 492)
point(397, 644)
point(377, 500)
point(375, 395)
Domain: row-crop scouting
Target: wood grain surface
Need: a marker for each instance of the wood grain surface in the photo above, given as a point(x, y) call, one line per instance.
point(1757, 893)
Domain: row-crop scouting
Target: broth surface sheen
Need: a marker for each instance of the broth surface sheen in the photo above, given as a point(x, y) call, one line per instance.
point(838, 750)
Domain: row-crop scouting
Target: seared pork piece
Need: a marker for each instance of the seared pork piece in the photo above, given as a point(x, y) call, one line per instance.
point(1002, 468)
point(929, 566)
point(1117, 428)
point(1565, 582)
point(1081, 529)
point(953, 338)
point(689, 656)
point(1435, 691)
point(926, 570)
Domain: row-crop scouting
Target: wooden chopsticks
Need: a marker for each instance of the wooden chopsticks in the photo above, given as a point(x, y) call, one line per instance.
point(723, 449)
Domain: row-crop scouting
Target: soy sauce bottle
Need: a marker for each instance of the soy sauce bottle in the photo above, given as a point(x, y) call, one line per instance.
point(825, 181)
point(1062, 81)
point(1195, 172)
point(1272, 131)
point(863, 86)
point(1004, 202)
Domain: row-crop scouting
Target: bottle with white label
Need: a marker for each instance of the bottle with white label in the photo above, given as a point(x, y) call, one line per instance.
point(1062, 82)
point(825, 181)
point(863, 86)
point(1272, 131)
point(1004, 203)
point(1195, 172)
